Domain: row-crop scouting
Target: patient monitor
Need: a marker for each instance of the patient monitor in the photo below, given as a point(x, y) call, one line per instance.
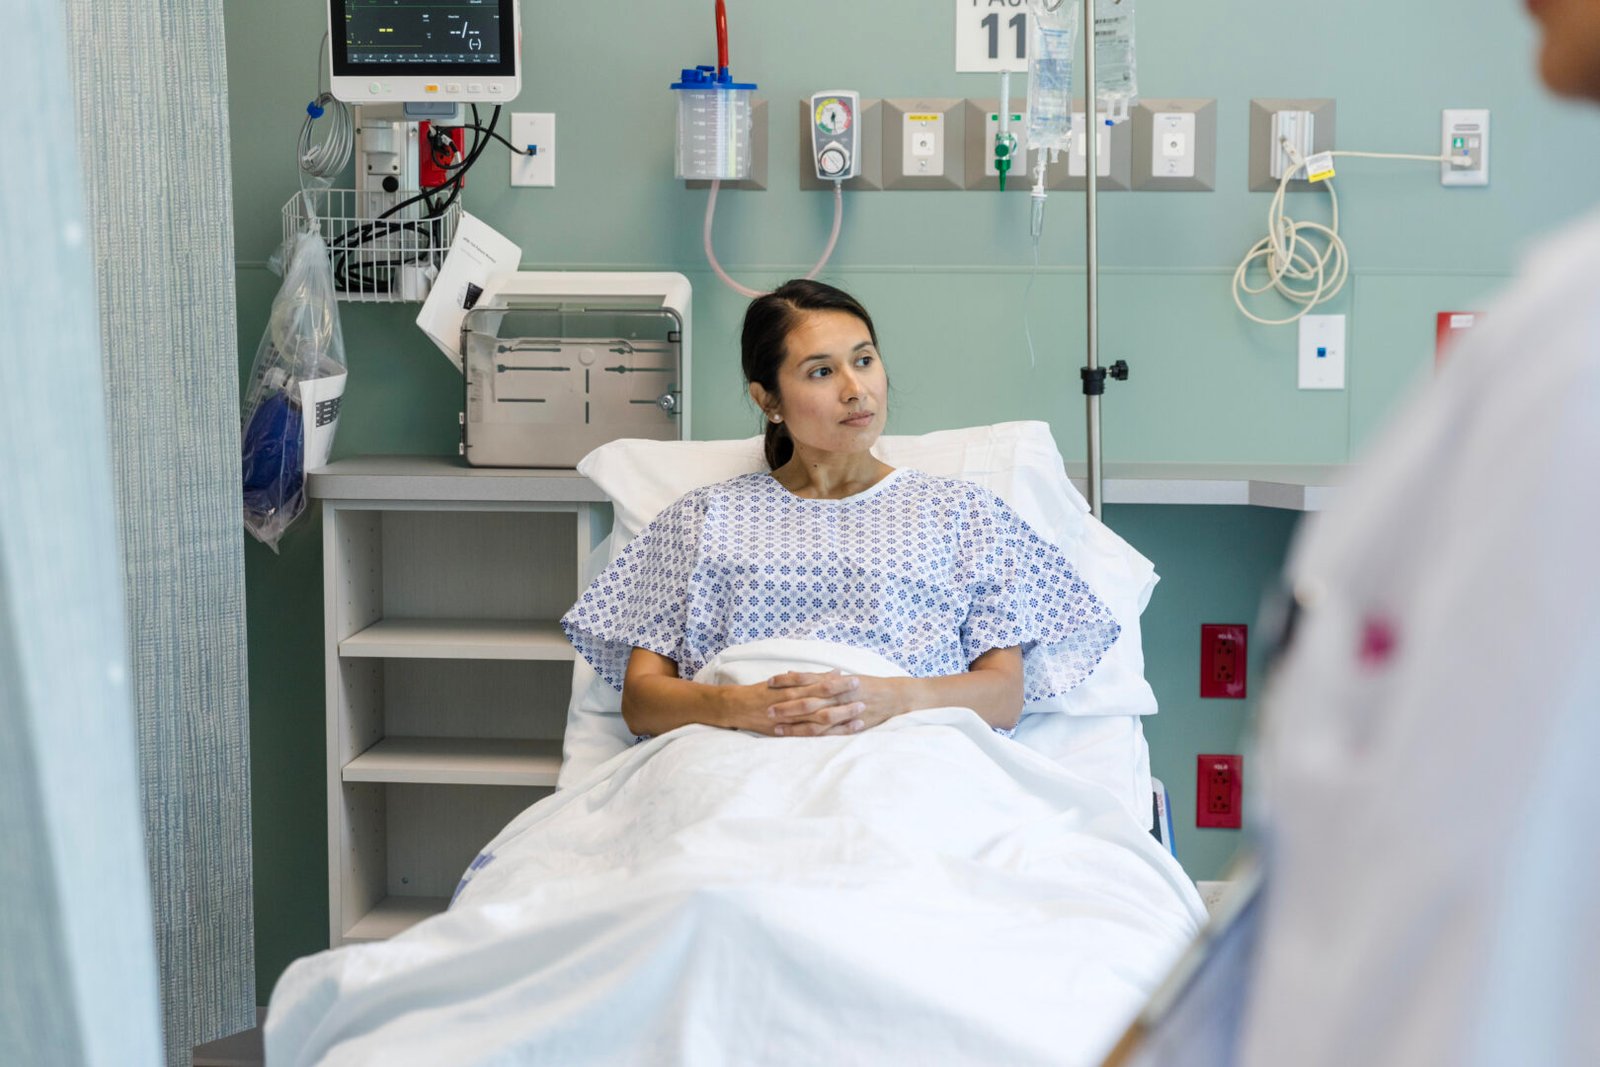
point(425, 51)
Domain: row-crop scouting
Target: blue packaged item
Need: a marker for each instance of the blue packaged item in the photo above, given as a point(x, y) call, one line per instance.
point(299, 367)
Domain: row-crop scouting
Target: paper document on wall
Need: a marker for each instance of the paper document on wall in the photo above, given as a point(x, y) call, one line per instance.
point(477, 254)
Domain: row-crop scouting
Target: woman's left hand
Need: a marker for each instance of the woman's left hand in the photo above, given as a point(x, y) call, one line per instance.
point(803, 711)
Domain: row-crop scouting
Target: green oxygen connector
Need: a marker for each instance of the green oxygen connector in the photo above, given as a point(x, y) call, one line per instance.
point(1004, 145)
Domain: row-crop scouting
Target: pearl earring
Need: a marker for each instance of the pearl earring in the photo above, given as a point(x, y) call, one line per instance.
point(776, 418)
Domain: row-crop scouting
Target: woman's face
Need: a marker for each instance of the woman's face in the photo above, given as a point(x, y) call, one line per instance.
point(832, 390)
point(1569, 55)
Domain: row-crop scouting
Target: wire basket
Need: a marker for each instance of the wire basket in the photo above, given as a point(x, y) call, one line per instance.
point(382, 249)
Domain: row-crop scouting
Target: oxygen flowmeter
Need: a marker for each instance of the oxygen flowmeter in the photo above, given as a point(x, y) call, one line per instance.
point(836, 134)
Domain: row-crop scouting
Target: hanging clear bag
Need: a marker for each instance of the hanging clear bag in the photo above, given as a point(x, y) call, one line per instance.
point(1116, 74)
point(291, 405)
point(1052, 32)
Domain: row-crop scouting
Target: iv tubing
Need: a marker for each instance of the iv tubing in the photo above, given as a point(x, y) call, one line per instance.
point(744, 290)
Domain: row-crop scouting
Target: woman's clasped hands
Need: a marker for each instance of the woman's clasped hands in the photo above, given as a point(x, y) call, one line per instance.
point(820, 705)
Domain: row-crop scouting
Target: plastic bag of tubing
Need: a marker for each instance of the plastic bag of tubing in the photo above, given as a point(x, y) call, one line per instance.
point(291, 405)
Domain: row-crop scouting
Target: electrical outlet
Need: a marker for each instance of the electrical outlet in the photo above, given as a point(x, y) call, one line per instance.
point(1219, 791)
point(1224, 660)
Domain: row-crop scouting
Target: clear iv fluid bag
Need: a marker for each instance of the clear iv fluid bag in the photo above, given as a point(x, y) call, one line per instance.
point(1116, 75)
point(1051, 38)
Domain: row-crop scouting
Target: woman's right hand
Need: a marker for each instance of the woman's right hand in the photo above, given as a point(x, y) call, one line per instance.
point(812, 705)
point(655, 700)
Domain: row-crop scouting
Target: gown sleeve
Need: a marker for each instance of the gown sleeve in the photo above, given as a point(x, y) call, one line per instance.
point(1024, 592)
point(642, 599)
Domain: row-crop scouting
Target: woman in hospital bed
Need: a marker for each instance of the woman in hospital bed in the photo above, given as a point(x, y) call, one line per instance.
point(824, 850)
point(935, 574)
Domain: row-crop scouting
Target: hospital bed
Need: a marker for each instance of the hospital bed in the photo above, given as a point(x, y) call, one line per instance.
point(928, 891)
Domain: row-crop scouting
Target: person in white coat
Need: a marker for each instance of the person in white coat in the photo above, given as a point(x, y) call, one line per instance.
point(1432, 733)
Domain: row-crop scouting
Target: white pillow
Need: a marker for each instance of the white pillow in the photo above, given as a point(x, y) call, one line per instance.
point(1018, 461)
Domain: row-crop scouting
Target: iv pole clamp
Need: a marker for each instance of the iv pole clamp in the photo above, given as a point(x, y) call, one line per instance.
point(1094, 378)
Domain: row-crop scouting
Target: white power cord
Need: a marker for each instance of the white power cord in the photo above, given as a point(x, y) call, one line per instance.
point(745, 290)
point(1326, 270)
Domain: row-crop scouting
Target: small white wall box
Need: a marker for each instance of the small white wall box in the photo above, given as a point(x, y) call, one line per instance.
point(1464, 136)
point(557, 363)
point(1322, 352)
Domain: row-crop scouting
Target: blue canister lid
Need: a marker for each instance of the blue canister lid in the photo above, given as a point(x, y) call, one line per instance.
point(709, 78)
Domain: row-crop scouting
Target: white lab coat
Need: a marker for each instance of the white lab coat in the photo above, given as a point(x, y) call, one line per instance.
point(1431, 749)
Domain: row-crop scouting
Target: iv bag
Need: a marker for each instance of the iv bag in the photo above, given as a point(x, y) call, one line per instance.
point(1050, 42)
point(1116, 76)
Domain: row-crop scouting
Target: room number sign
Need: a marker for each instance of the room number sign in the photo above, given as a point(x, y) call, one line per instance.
point(991, 35)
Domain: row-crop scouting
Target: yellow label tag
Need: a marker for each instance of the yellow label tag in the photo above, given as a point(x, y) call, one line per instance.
point(923, 118)
point(1319, 168)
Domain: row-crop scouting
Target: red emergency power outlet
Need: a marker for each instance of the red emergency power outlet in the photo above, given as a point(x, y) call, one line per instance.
point(429, 172)
point(1223, 660)
point(1219, 787)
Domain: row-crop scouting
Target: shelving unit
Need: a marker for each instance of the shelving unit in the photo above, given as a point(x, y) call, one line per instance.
point(447, 671)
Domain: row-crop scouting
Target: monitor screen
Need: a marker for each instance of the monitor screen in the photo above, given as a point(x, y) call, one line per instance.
point(443, 38)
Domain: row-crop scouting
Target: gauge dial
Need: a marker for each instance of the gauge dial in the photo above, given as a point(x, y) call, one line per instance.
point(833, 116)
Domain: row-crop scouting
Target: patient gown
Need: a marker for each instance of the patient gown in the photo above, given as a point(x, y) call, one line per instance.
point(929, 572)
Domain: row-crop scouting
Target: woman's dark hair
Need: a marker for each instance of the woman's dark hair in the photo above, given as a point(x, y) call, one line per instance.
point(767, 324)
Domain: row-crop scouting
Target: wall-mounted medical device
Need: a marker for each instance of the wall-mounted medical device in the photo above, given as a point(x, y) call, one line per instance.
point(462, 51)
point(836, 134)
point(558, 363)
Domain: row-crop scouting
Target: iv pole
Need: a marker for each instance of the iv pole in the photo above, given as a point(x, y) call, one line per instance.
point(1093, 377)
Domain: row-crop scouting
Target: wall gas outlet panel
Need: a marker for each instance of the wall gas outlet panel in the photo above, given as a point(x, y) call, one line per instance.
point(1274, 117)
point(1078, 154)
point(982, 115)
point(1293, 134)
point(1465, 136)
point(922, 147)
point(1114, 154)
point(836, 134)
point(1175, 145)
point(923, 143)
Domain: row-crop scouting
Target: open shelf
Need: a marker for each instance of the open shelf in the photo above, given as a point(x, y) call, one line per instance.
point(459, 639)
point(393, 915)
point(457, 761)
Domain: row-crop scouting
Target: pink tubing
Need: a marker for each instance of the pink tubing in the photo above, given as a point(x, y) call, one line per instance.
point(743, 290)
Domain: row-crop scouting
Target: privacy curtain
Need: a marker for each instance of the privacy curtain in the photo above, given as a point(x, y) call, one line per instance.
point(77, 961)
point(150, 82)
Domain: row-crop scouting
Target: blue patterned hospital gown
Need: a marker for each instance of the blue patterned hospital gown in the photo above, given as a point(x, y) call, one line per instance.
point(929, 572)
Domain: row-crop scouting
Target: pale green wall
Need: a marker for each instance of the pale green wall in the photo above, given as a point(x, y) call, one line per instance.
point(944, 274)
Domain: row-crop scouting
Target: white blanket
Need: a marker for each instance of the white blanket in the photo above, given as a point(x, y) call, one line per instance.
point(924, 892)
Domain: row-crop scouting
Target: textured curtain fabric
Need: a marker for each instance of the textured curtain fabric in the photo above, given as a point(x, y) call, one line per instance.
point(150, 82)
point(77, 961)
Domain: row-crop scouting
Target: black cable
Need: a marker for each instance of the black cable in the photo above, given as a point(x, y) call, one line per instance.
point(356, 277)
point(502, 140)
